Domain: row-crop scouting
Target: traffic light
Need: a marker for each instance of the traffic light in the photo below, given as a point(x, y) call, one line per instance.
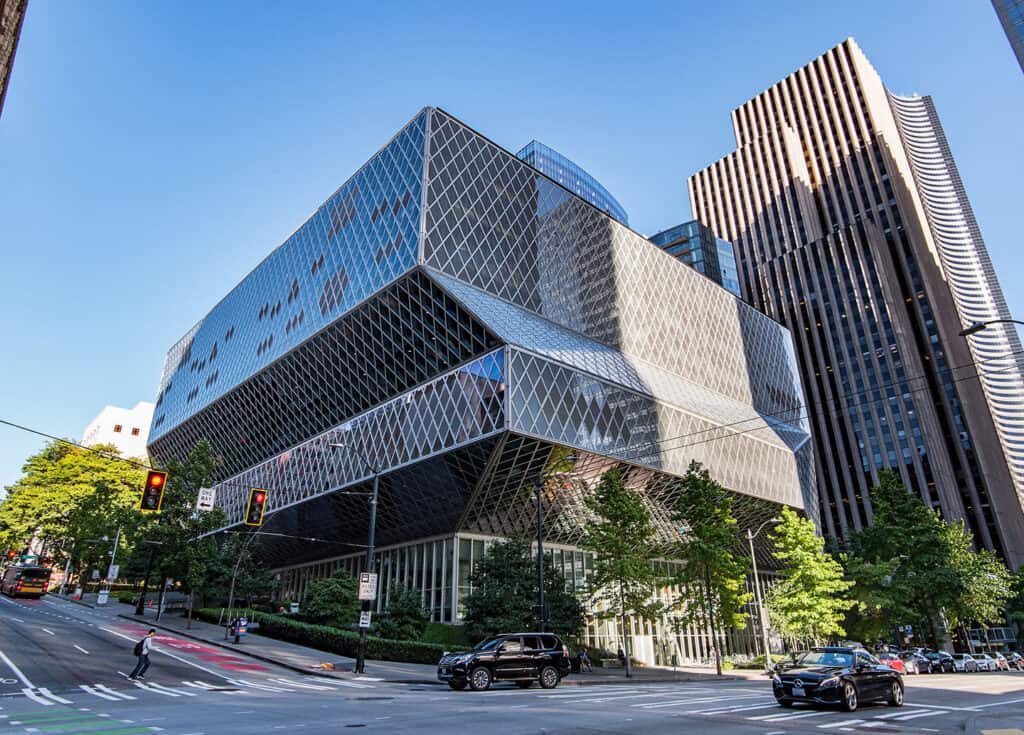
point(153, 492)
point(257, 505)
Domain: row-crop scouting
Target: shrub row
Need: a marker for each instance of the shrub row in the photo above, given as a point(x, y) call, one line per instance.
point(341, 642)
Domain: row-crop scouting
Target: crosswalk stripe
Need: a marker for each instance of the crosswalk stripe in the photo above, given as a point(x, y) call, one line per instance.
point(915, 715)
point(196, 684)
point(844, 723)
point(180, 692)
point(744, 708)
point(89, 690)
point(108, 690)
point(148, 688)
point(36, 698)
point(788, 716)
point(301, 685)
point(263, 687)
point(47, 693)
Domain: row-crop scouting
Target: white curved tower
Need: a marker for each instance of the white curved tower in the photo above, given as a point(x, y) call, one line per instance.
point(968, 269)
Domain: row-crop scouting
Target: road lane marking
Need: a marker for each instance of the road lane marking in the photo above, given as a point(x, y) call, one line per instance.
point(744, 708)
point(264, 687)
point(89, 690)
point(16, 670)
point(17, 620)
point(179, 692)
point(786, 717)
point(290, 683)
point(47, 630)
point(36, 698)
point(844, 723)
point(47, 693)
point(81, 649)
point(150, 688)
point(108, 690)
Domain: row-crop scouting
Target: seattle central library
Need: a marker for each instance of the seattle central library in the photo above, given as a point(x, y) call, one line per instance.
point(456, 319)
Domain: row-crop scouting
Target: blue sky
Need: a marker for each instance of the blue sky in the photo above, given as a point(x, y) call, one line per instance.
point(151, 154)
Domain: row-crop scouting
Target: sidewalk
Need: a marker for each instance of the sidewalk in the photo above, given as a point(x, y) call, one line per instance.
point(309, 660)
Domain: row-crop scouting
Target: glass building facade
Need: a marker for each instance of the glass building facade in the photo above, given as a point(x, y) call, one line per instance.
point(696, 245)
point(460, 321)
point(572, 176)
point(1011, 16)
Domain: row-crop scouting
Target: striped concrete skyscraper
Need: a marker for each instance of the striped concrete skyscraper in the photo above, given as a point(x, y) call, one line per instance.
point(852, 227)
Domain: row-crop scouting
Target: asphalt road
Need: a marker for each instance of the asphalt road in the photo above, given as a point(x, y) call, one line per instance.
point(62, 666)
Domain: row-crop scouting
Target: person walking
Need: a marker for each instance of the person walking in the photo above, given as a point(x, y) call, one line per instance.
point(584, 659)
point(142, 650)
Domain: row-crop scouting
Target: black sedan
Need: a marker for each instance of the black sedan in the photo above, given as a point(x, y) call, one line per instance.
point(837, 676)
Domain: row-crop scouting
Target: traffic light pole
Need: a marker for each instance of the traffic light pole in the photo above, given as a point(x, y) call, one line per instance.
point(361, 649)
point(234, 576)
point(540, 559)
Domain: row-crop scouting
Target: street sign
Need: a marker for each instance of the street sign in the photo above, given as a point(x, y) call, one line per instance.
point(101, 598)
point(206, 498)
point(367, 586)
point(364, 618)
point(112, 572)
point(95, 573)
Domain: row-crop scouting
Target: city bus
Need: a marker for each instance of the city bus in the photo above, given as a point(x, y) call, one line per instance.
point(25, 580)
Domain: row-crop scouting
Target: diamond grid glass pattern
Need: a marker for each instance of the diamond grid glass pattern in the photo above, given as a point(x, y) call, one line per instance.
point(571, 408)
point(409, 333)
point(498, 224)
point(363, 237)
point(459, 407)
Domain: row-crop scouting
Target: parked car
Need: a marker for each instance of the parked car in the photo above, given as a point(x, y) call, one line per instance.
point(893, 662)
point(985, 662)
point(520, 657)
point(941, 662)
point(914, 663)
point(1015, 660)
point(965, 662)
point(1001, 663)
point(837, 675)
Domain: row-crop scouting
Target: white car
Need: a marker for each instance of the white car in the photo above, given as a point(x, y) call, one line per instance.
point(964, 662)
point(985, 662)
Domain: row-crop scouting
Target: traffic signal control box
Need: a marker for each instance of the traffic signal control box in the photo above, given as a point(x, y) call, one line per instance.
point(256, 507)
point(153, 492)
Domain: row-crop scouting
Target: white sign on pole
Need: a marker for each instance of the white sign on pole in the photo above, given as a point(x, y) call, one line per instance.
point(102, 597)
point(205, 500)
point(364, 619)
point(113, 571)
point(367, 586)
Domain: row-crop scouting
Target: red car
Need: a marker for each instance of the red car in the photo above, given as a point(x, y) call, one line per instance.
point(893, 662)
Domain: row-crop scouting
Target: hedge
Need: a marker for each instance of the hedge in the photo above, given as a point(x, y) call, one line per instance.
point(341, 642)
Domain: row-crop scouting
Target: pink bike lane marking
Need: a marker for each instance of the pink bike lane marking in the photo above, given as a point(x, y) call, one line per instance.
point(204, 653)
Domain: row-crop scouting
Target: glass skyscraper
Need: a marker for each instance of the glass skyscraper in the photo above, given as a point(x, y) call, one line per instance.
point(1011, 16)
point(572, 176)
point(852, 228)
point(462, 322)
point(696, 245)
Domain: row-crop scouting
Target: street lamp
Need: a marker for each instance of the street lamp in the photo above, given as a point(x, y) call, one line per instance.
point(981, 326)
point(757, 592)
point(375, 470)
point(538, 484)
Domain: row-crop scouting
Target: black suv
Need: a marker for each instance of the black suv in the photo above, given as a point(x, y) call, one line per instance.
point(520, 657)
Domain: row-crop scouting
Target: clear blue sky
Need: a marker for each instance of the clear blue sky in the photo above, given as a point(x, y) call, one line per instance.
point(152, 153)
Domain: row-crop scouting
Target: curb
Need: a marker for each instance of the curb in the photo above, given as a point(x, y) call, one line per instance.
point(77, 602)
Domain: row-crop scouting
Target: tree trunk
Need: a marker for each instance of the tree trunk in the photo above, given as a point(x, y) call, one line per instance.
point(709, 607)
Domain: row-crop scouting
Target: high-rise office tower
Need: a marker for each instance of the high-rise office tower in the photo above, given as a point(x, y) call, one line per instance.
point(573, 177)
point(1011, 15)
point(696, 245)
point(851, 226)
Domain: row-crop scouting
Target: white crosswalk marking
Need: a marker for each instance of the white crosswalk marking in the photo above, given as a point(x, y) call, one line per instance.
point(36, 698)
point(196, 684)
point(149, 688)
point(301, 685)
point(102, 695)
point(844, 723)
point(179, 692)
point(744, 708)
point(47, 693)
point(789, 716)
point(263, 687)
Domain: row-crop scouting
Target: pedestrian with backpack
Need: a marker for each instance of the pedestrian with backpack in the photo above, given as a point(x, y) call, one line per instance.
point(142, 649)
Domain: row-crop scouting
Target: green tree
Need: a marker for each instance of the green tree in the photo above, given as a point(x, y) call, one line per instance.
point(922, 566)
point(405, 619)
point(810, 602)
point(333, 601)
point(622, 537)
point(712, 579)
point(67, 495)
point(504, 591)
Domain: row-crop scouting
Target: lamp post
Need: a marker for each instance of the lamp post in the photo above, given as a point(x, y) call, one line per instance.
point(375, 470)
point(757, 592)
point(538, 485)
point(981, 326)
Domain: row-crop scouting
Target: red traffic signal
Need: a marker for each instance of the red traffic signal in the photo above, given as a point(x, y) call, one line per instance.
point(256, 507)
point(153, 492)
